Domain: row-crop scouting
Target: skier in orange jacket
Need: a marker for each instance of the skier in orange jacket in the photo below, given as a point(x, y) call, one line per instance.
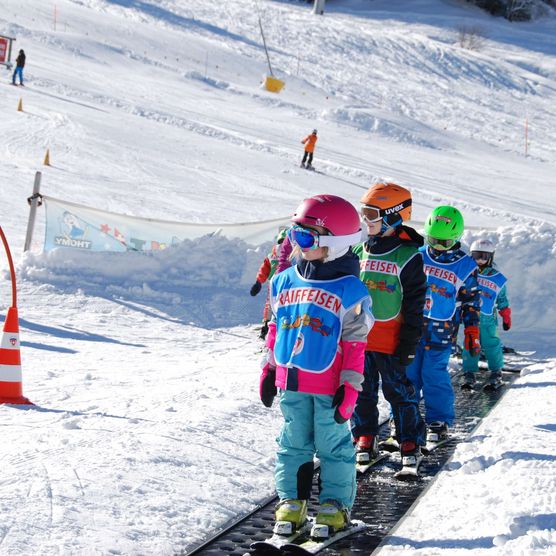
point(309, 142)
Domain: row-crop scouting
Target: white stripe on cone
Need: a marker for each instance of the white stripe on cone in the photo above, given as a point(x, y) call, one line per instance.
point(10, 373)
point(10, 340)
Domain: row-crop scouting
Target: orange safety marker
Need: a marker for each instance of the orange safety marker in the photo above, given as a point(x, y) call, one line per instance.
point(10, 362)
point(20, 105)
point(46, 161)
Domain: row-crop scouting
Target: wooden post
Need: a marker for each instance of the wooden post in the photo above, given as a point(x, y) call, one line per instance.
point(526, 135)
point(34, 202)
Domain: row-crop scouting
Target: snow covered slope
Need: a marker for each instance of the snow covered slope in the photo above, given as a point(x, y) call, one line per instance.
point(147, 431)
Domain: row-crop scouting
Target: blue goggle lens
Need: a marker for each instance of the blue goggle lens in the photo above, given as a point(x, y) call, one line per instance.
point(305, 238)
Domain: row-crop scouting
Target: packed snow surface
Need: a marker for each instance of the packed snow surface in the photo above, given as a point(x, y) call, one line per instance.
point(147, 433)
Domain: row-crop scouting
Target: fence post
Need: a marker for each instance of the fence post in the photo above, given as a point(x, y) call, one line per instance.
point(34, 202)
point(318, 7)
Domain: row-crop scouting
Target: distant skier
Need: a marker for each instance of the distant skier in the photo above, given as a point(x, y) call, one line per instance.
point(452, 280)
point(19, 65)
point(266, 272)
point(310, 141)
point(494, 300)
point(316, 340)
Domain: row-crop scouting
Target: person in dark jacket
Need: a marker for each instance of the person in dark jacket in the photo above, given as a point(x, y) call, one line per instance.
point(391, 266)
point(19, 65)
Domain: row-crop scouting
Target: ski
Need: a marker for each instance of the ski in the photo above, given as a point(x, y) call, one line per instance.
point(492, 386)
point(364, 467)
point(311, 169)
point(315, 545)
point(410, 467)
point(389, 445)
point(431, 446)
point(408, 472)
point(273, 544)
point(511, 370)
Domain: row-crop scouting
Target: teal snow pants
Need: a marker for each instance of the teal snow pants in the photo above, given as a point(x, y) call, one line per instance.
point(310, 429)
point(490, 344)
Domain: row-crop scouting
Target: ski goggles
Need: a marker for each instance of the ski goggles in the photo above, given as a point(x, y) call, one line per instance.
point(441, 244)
point(481, 255)
point(370, 214)
point(307, 239)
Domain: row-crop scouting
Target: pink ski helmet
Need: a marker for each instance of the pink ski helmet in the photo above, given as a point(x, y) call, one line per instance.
point(335, 214)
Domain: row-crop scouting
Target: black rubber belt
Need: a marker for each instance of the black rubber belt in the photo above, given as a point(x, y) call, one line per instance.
point(381, 500)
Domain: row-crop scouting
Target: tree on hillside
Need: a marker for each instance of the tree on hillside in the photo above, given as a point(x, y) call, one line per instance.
point(515, 10)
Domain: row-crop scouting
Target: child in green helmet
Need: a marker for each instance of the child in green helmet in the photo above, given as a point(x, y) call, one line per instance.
point(451, 281)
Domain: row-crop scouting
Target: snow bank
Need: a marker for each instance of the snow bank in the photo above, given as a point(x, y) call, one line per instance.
point(204, 281)
point(526, 256)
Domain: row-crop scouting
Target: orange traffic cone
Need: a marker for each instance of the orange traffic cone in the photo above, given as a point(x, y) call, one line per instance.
point(10, 362)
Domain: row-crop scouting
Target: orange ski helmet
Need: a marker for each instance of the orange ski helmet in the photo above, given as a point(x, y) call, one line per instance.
point(391, 202)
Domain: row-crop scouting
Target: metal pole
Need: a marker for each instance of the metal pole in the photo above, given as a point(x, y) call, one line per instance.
point(11, 264)
point(265, 49)
point(34, 201)
point(318, 7)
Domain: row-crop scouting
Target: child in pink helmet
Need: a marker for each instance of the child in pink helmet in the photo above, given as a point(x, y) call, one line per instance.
point(316, 340)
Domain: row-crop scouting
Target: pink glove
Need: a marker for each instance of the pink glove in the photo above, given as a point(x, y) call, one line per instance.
point(344, 402)
point(506, 315)
point(271, 335)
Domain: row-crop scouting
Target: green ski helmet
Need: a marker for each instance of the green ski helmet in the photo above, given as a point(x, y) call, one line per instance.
point(443, 227)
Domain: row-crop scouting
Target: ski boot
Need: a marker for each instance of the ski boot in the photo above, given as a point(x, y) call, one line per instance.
point(437, 434)
point(302, 165)
point(290, 515)
point(309, 166)
point(468, 381)
point(391, 444)
point(332, 517)
point(411, 459)
point(494, 381)
point(366, 449)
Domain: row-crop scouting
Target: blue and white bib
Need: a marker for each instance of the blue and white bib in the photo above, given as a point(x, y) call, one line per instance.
point(309, 315)
point(443, 283)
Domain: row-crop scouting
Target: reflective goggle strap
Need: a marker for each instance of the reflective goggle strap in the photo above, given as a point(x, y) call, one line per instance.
point(386, 226)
